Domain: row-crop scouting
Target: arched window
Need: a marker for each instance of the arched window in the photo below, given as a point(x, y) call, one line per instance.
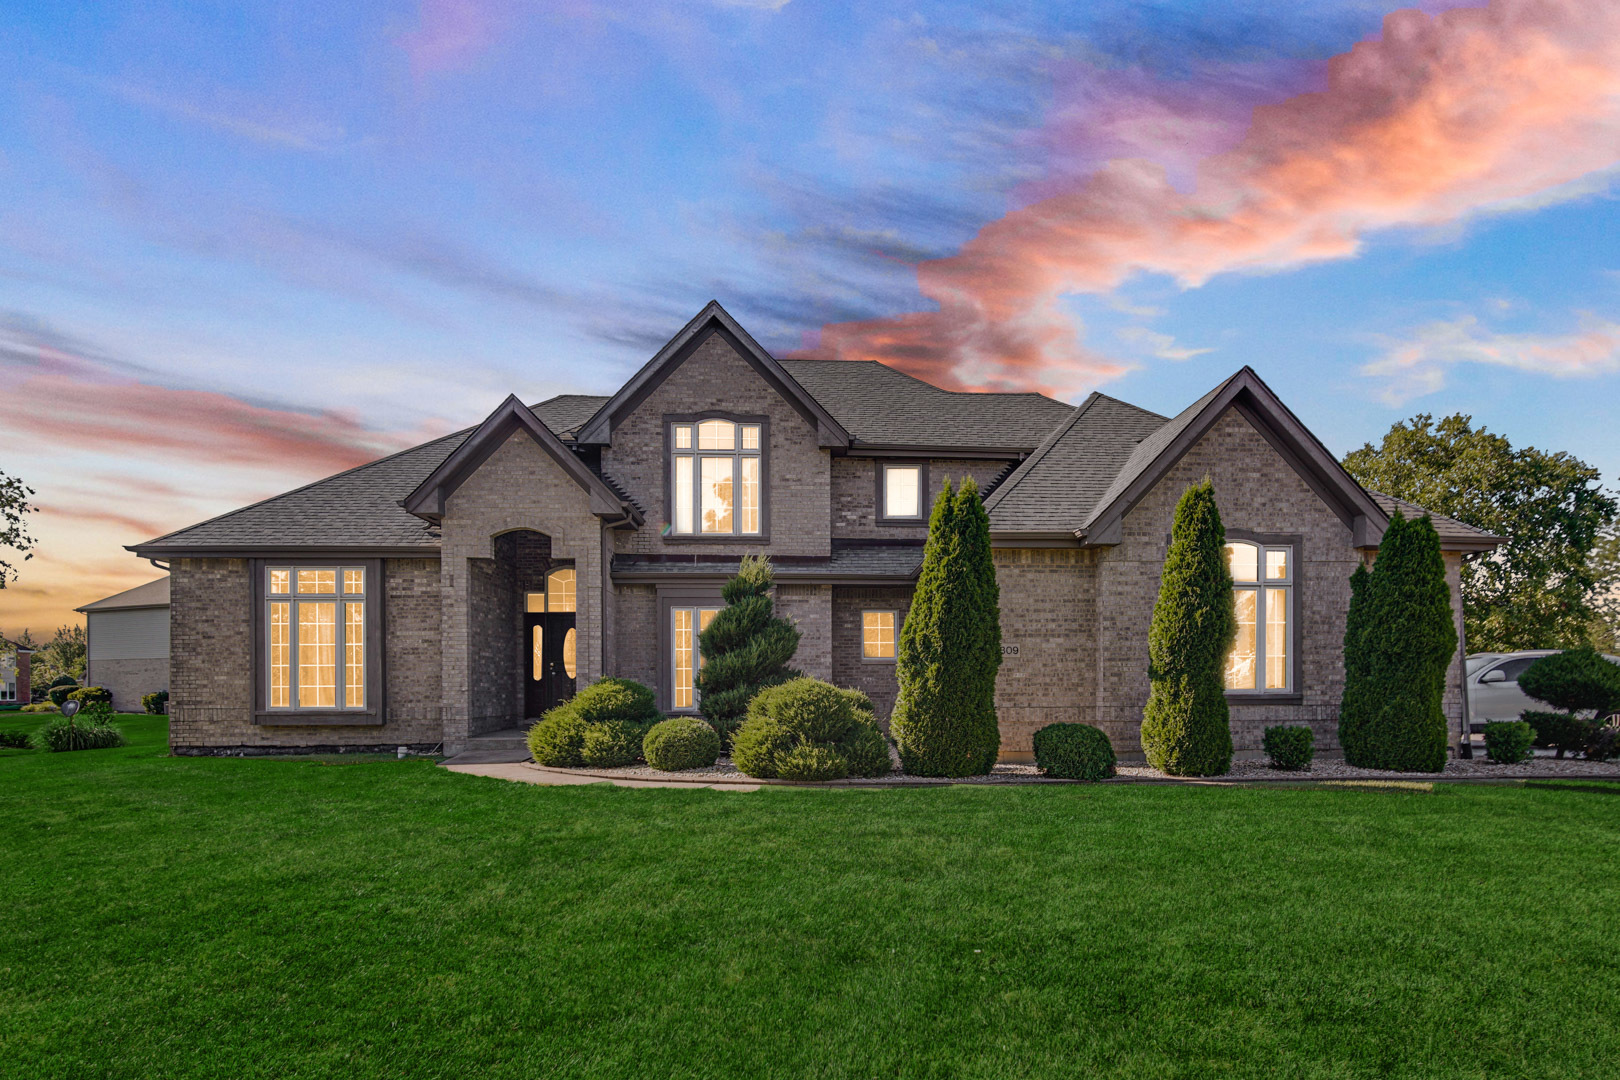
point(1261, 660)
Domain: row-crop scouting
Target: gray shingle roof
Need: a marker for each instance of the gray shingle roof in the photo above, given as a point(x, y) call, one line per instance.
point(1450, 529)
point(1057, 485)
point(152, 594)
point(880, 406)
point(359, 508)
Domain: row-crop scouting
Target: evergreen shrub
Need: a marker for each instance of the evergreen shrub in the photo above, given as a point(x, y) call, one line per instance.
point(944, 720)
point(59, 691)
point(558, 739)
point(1604, 744)
point(39, 707)
point(1186, 729)
point(1507, 743)
point(156, 704)
point(1074, 752)
point(611, 744)
point(87, 694)
point(746, 647)
point(806, 729)
point(1574, 681)
point(681, 742)
point(1399, 641)
point(1560, 731)
point(1289, 747)
point(12, 739)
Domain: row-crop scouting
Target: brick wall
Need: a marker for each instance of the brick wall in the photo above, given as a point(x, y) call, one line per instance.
point(849, 665)
point(1048, 615)
point(518, 487)
point(129, 680)
point(810, 608)
point(715, 376)
point(638, 657)
point(211, 664)
point(854, 494)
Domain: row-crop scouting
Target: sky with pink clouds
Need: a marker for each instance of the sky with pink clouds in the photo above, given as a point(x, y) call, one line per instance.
point(245, 246)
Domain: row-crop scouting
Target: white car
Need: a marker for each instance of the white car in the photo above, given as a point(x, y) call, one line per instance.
point(1493, 685)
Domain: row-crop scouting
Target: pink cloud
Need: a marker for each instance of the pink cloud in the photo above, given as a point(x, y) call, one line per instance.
point(1418, 365)
point(1441, 117)
point(448, 35)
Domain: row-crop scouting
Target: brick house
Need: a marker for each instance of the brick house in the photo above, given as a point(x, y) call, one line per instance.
point(16, 662)
point(460, 587)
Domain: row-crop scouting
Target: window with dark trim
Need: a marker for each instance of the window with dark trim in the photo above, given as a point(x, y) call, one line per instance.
point(1261, 660)
point(902, 492)
point(315, 638)
point(880, 634)
point(716, 477)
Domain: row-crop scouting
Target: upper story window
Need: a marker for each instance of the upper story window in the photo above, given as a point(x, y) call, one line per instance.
point(715, 471)
point(901, 491)
point(1263, 588)
point(315, 622)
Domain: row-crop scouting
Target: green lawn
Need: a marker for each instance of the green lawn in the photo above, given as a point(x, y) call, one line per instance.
point(253, 918)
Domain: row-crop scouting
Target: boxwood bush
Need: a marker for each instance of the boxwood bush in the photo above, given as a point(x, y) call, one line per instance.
point(87, 694)
point(681, 742)
point(156, 704)
point(1289, 747)
point(1074, 752)
point(805, 729)
point(1510, 742)
point(60, 690)
point(1562, 731)
point(559, 739)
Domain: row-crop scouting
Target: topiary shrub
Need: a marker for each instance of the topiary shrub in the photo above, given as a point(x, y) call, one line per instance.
point(59, 692)
point(1399, 641)
point(156, 704)
point(681, 742)
point(1074, 752)
point(806, 729)
point(612, 744)
point(558, 739)
point(62, 734)
point(1559, 731)
point(944, 720)
point(87, 694)
point(746, 647)
point(1508, 743)
point(1289, 747)
point(1574, 681)
point(1186, 729)
point(12, 739)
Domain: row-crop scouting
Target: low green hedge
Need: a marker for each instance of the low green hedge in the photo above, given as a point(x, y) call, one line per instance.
point(681, 742)
point(1289, 747)
point(1509, 743)
point(87, 694)
point(805, 729)
point(1074, 752)
point(12, 739)
point(40, 707)
point(627, 709)
point(1560, 730)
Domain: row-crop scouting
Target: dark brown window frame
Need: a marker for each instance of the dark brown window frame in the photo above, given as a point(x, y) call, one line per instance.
point(376, 711)
point(882, 661)
point(669, 598)
point(879, 482)
point(1296, 544)
point(669, 422)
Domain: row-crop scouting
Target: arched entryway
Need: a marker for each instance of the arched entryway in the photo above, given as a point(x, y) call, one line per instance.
point(551, 642)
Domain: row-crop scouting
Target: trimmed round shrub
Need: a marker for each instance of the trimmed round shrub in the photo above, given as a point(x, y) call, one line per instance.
point(681, 742)
point(156, 704)
point(558, 739)
point(787, 722)
point(611, 745)
point(13, 739)
point(1289, 747)
point(62, 734)
point(87, 694)
point(1560, 730)
point(59, 691)
point(1509, 743)
point(1574, 681)
point(39, 707)
point(1074, 752)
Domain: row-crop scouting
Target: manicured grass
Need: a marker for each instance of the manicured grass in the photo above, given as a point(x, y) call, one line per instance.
point(257, 918)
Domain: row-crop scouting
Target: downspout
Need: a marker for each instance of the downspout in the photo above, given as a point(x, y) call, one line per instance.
point(607, 615)
point(1465, 747)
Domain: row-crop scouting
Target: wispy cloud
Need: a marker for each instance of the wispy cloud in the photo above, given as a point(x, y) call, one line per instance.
point(1155, 344)
point(1420, 363)
point(1437, 119)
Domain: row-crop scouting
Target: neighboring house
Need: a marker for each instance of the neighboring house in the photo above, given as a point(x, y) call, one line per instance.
point(463, 586)
point(15, 661)
point(127, 643)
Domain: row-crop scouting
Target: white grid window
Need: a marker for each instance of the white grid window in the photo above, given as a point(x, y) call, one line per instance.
point(877, 635)
point(716, 479)
point(686, 658)
point(315, 638)
point(1261, 660)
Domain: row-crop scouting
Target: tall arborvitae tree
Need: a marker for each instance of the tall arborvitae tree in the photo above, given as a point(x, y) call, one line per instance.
point(1405, 642)
point(1186, 728)
point(745, 648)
point(944, 720)
point(1353, 705)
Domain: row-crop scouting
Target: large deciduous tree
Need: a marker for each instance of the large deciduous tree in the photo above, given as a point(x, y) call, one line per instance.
point(64, 654)
point(1399, 641)
point(14, 508)
point(1540, 589)
point(944, 720)
point(1186, 729)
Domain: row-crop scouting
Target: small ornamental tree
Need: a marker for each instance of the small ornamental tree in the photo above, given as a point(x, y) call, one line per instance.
point(1402, 642)
point(1581, 685)
point(944, 719)
point(1186, 726)
point(1353, 708)
point(745, 648)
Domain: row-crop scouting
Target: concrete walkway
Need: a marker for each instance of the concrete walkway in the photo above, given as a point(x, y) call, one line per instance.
point(526, 773)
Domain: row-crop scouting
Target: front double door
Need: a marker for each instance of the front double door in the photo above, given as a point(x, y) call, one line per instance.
point(552, 660)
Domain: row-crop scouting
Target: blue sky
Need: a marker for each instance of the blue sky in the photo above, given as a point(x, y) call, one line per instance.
point(242, 246)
